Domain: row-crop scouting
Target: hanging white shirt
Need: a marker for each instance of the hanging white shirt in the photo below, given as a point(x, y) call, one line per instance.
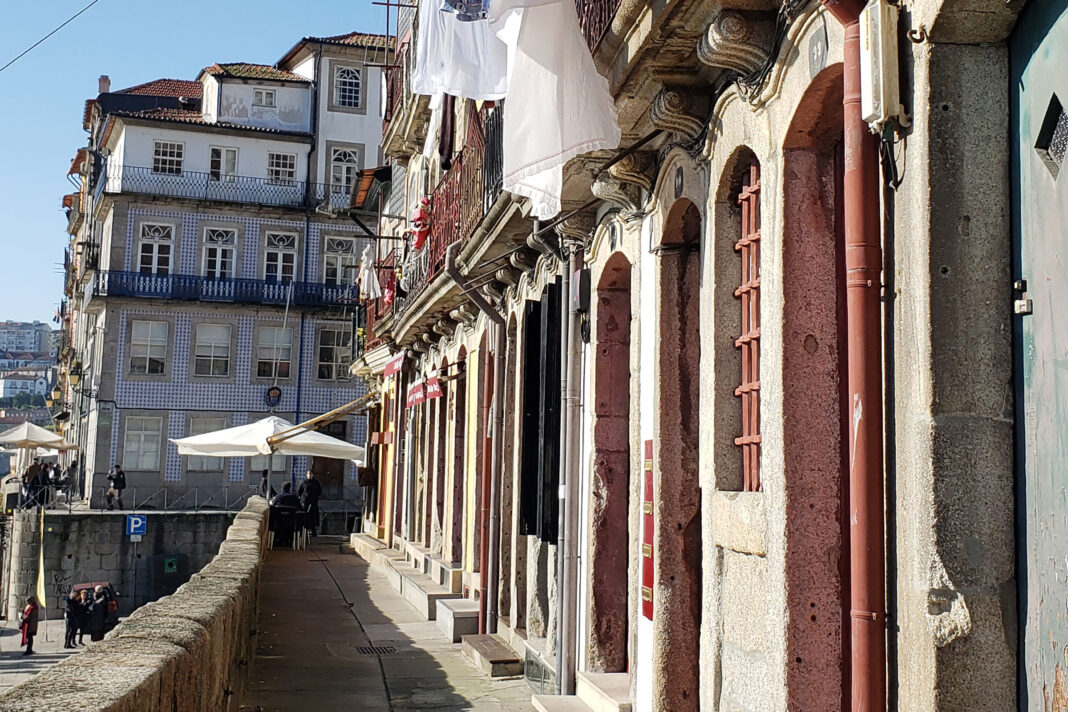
point(369, 286)
point(464, 59)
point(559, 105)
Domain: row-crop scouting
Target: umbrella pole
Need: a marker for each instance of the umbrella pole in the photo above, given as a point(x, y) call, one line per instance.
point(336, 413)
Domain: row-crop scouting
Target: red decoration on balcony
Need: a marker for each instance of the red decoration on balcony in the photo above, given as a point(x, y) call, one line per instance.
point(421, 223)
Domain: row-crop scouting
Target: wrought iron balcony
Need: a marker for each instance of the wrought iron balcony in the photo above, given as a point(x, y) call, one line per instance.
point(237, 291)
point(196, 185)
point(595, 17)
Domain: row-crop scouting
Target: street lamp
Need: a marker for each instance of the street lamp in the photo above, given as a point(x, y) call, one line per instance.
point(57, 393)
point(75, 374)
point(48, 400)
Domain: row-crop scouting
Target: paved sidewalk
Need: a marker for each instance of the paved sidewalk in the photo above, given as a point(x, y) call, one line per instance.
point(318, 607)
point(48, 650)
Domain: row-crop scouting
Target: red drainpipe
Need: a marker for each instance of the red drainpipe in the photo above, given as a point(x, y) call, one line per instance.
point(487, 473)
point(863, 263)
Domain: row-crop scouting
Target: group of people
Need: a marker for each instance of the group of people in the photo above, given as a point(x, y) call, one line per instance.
point(305, 501)
point(41, 480)
point(87, 612)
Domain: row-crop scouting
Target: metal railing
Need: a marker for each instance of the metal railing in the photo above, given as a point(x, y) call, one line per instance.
point(196, 185)
point(595, 17)
point(162, 499)
point(235, 290)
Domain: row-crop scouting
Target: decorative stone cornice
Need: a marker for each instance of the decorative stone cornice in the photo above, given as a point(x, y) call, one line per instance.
point(672, 111)
point(737, 42)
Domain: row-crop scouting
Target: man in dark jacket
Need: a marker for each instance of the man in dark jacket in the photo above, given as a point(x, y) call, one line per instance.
point(73, 615)
point(310, 491)
point(117, 480)
point(98, 614)
point(266, 489)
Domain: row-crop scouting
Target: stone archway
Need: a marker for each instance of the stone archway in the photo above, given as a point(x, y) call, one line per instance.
point(677, 494)
point(814, 407)
point(609, 535)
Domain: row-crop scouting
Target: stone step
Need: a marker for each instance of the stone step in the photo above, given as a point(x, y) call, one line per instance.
point(604, 691)
point(457, 617)
point(557, 703)
point(421, 591)
point(492, 656)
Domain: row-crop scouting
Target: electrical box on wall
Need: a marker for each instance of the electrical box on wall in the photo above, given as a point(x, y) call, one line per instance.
point(880, 86)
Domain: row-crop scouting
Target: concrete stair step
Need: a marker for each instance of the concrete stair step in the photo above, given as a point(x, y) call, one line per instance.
point(421, 591)
point(604, 691)
point(457, 617)
point(492, 656)
point(557, 703)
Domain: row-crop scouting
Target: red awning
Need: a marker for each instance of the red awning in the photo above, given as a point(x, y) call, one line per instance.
point(416, 394)
point(433, 388)
point(394, 365)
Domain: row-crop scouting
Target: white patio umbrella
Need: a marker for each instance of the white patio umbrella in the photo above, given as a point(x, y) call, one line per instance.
point(253, 439)
point(28, 438)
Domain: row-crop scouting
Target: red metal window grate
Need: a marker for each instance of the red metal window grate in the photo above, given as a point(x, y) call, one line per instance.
point(749, 341)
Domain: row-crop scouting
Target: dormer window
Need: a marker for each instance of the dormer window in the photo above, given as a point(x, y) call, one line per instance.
point(263, 97)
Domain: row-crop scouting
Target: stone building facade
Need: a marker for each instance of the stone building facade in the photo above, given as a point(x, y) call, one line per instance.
point(797, 448)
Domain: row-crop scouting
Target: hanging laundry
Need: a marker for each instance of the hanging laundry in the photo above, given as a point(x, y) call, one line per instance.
point(460, 58)
point(559, 107)
point(369, 286)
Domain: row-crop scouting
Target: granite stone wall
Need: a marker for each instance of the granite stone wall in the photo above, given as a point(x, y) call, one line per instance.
point(187, 652)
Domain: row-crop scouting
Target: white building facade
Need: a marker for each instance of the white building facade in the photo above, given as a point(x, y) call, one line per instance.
point(212, 277)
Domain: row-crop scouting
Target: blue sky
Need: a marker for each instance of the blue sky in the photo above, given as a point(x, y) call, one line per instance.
point(132, 41)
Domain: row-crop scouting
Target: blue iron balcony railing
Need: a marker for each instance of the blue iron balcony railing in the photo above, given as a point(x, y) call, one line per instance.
point(194, 185)
point(238, 291)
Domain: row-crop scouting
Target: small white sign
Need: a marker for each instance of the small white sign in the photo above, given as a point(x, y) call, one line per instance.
point(135, 538)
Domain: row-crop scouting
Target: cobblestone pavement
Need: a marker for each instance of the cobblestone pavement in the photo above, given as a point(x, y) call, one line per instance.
point(318, 607)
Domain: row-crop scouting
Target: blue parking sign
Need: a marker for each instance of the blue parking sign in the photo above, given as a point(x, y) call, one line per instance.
point(136, 524)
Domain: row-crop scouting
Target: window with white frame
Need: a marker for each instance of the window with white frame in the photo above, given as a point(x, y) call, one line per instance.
point(280, 256)
point(211, 355)
point(347, 83)
point(334, 354)
point(141, 448)
point(339, 260)
point(344, 169)
point(274, 352)
point(167, 157)
point(156, 248)
point(223, 164)
point(219, 246)
point(281, 168)
point(263, 97)
point(199, 426)
point(148, 347)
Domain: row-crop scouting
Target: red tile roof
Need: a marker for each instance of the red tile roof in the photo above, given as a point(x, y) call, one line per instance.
point(184, 116)
point(244, 70)
point(357, 39)
point(166, 87)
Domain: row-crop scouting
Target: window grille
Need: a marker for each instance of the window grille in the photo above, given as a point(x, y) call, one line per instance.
point(167, 157)
point(347, 82)
point(749, 341)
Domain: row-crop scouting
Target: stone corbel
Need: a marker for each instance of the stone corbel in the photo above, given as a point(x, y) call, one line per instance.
point(522, 260)
point(508, 276)
point(635, 168)
point(443, 327)
point(464, 315)
point(673, 111)
point(737, 42)
point(419, 347)
point(613, 191)
point(576, 230)
point(491, 290)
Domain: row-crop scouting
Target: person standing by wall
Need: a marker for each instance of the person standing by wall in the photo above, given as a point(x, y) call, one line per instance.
point(117, 481)
point(98, 613)
point(28, 623)
point(309, 492)
point(73, 616)
point(85, 603)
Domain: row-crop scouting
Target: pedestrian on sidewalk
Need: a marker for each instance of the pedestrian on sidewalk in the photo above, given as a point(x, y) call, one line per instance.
point(84, 604)
point(309, 492)
point(28, 623)
point(266, 488)
point(117, 480)
point(98, 613)
point(73, 615)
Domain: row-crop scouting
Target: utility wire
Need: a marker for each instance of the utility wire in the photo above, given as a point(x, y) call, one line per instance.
point(31, 47)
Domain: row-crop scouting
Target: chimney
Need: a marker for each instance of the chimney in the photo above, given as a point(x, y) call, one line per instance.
point(104, 84)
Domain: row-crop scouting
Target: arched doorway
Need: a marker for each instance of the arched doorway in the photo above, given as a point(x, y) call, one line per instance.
point(677, 496)
point(814, 407)
point(609, 535)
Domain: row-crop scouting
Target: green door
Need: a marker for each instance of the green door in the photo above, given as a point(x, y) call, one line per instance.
point(1039, 61)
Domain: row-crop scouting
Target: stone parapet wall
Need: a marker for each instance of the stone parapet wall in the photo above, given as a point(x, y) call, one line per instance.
point(186, 652)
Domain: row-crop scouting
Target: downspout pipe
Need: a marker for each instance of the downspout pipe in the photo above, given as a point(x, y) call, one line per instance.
point(569, 485)
point(485, 489)
point(863, 265)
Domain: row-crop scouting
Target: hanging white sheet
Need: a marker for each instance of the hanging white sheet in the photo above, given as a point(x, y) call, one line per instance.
point(464, 59)
point(369, 286)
